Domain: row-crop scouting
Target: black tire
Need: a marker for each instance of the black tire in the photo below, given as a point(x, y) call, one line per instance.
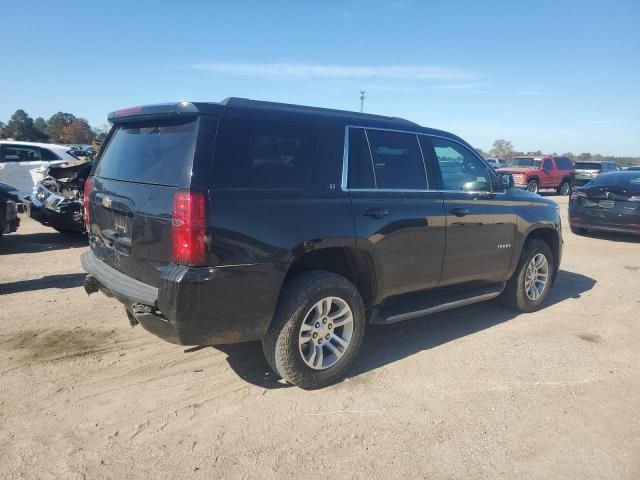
point(280, 344)
point(532, 186)
point(514, 295)
point(564, 188)
point(578, 230)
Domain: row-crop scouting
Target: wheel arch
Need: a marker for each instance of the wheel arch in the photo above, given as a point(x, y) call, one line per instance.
point(355, 264)
point(551, 237)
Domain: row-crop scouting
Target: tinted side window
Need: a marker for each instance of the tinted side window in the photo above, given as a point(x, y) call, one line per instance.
point(360, 164)
point(263, 154)
point(20, 153)
point(460, 169)
point(48, 155)
point(397, 160)
point(564, 163)
point(547, 165)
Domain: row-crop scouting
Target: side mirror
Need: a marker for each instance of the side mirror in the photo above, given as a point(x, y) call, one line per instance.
point(505, 181)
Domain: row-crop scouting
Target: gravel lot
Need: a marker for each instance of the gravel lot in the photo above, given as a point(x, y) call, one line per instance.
point(474, 393)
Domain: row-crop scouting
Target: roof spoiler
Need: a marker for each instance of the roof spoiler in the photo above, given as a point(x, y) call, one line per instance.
point(159, 111)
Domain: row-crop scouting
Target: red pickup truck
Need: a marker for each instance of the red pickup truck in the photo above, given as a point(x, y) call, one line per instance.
point(547, 171)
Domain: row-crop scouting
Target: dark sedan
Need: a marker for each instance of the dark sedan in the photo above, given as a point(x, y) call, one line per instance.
point(609, 202)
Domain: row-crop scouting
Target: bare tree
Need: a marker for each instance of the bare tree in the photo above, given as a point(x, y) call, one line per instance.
point(502, 149)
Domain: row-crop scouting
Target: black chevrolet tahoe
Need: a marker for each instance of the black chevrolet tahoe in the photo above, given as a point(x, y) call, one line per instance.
point(244, 220)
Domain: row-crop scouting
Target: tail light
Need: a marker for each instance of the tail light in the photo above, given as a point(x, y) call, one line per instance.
point(578, 194)
point(188, 222)
point(88, 183)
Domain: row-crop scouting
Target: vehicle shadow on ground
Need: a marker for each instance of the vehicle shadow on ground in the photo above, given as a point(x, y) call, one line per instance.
point(385, 344)
point(40, 242)
point(612, 237)
point(66, 280)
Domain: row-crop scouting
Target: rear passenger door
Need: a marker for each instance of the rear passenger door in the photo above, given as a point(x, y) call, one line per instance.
point(480, 223)
point(399, 216)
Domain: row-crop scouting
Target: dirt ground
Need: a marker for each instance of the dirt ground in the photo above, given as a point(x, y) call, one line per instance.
point(474, 393)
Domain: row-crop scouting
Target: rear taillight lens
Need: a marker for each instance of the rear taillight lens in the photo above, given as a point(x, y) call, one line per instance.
point(88, 183)
point(578, 194)
point(188, 222)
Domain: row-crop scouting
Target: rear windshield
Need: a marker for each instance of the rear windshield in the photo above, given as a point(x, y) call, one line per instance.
point(525, 162)
point(629, 181)
point(588, 166)
point(158, 153)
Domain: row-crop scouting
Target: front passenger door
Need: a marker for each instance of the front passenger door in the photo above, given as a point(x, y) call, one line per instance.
point(480, 223)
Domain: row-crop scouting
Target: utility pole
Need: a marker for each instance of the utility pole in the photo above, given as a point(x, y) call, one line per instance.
point(362, 97)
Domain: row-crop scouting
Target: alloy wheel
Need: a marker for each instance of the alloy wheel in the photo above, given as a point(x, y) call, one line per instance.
point(325, 333)
point(537, 276)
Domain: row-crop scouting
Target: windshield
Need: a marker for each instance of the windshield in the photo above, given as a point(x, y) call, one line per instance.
point(525, 162)
point(157, 153)
point(629, 181)
point(588, 166)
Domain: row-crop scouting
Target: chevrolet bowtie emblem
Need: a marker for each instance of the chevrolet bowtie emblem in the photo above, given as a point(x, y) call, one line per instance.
point(106, 202)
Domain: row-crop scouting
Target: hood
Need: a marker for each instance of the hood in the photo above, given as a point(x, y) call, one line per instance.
point(516, 170)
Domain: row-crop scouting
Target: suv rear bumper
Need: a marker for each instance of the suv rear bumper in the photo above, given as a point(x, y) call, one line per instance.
point(194, 305)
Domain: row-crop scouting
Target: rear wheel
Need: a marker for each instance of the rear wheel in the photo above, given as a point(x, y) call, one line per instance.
point(531, 282)
point(565, 188)
point(316, 331)
point(532, 186)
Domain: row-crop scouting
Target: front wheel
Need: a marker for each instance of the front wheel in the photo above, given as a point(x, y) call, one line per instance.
point(316, 331)
point(532, 186)
point(531, 282)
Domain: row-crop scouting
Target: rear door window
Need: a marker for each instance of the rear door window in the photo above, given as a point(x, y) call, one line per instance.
point(360, 163)
point(397, 160)
point(48, 155)
point(564, 163)
point(159, 153)
point(263, 154)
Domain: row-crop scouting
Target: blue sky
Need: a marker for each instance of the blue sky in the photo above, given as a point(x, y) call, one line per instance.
point(550, 75)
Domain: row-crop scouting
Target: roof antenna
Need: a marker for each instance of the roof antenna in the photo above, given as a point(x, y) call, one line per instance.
point(362, 97)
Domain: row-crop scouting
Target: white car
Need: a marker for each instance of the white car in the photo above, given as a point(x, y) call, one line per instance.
point(494, 162)
point(22, 164)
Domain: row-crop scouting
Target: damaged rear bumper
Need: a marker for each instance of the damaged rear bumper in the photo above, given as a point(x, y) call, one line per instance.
point(193, 305)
